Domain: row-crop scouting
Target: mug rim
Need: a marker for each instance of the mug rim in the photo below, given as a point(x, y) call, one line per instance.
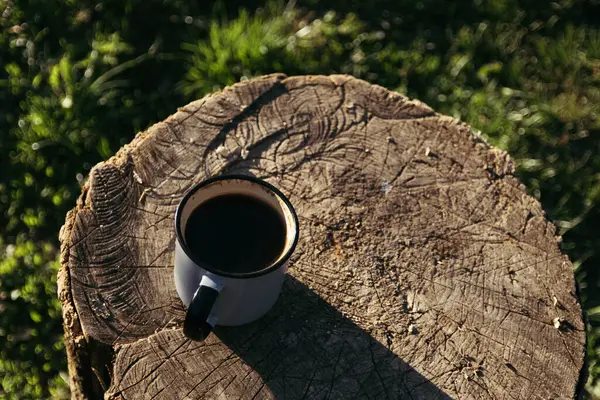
point(242, 275)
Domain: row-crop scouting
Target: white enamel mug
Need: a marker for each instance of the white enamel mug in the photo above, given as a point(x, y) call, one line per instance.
point(217, 297)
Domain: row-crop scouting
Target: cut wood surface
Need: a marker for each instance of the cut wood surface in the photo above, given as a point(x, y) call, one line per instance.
point(423, 270)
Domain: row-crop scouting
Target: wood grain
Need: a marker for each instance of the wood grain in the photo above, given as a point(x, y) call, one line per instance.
point(423, 271)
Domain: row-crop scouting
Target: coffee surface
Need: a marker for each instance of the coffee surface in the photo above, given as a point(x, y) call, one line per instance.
point(235, 233)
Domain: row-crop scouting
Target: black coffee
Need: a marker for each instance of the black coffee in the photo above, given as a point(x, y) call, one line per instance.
point(235, 233)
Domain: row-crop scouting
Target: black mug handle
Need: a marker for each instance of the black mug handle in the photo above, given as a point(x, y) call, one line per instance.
point(196, 326)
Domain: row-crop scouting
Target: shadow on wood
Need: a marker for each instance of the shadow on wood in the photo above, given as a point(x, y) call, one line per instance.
point(305, 348)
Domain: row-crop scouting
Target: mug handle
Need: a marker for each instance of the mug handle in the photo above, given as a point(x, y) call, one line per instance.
point(199, 321)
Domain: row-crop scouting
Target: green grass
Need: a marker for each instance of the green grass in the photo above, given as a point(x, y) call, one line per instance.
point(79, 78)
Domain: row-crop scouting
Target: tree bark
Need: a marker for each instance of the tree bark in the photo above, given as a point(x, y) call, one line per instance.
point(424, 270)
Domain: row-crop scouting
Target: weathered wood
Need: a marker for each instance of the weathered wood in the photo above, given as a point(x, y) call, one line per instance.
point(424, 269)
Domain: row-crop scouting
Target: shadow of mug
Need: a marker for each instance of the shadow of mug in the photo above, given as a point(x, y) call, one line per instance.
point(305, 348)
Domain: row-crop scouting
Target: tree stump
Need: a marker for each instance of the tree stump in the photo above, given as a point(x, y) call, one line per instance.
point(423, 270)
